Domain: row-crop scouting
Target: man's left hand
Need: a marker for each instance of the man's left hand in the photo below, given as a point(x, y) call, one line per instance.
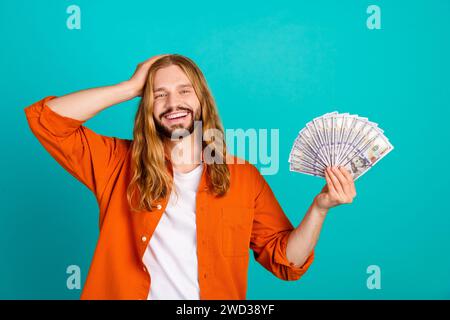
point(340, 189)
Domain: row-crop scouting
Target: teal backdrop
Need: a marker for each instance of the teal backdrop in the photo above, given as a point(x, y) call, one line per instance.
point(270, 65)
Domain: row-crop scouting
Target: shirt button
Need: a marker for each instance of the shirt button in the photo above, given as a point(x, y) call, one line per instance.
point(144, 238)
point(159, 207)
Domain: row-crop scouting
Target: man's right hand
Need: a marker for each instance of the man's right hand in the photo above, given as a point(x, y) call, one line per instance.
point(139, 78)
point(85, 104)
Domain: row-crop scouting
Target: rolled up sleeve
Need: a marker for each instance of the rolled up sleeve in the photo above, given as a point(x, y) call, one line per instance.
point(270, 233)
point(86, 155)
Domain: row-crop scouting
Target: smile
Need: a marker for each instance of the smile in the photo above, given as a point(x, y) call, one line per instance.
point(176, 115)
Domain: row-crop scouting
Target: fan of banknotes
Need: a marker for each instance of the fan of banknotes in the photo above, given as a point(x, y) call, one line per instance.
point(338, 139)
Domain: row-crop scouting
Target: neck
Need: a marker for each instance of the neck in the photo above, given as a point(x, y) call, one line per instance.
point(185, 154)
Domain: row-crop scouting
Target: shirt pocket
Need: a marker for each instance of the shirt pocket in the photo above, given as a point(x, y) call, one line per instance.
point(236, 225)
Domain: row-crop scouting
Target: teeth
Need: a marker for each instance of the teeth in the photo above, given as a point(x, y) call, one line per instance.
point(176, 115)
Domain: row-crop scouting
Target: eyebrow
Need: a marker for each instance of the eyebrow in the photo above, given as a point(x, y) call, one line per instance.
point(179, 86)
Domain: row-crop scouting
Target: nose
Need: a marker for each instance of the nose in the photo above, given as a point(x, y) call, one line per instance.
point(172, 100)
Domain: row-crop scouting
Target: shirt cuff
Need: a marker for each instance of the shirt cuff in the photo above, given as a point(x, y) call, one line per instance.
point(281, 258)
point(55, 123)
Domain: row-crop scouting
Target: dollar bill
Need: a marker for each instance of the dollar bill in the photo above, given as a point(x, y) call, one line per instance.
point(338, 139)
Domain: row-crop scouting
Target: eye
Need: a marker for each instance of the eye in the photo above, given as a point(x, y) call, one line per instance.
point(159, 95)
point(185, 91)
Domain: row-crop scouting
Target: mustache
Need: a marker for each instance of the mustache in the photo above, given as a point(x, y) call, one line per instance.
point(171, 109)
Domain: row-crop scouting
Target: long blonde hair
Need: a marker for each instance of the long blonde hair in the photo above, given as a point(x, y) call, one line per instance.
point(150, 175)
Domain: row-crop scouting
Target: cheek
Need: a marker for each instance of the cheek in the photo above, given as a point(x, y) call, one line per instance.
point(156, 110)
point(195, 104)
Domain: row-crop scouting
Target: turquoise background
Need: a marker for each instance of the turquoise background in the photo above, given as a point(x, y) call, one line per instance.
point(269, 65)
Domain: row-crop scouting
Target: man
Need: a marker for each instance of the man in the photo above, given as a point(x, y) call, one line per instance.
point(175, 227)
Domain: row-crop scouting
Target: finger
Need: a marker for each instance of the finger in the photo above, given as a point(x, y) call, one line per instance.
point(344, 182)
point(155, 58)
point(336, 182)
point(345, 173)
point(349, 177)
point(330, 185)
point(336, 185)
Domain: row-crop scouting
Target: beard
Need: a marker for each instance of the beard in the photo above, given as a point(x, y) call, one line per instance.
point(168, 132)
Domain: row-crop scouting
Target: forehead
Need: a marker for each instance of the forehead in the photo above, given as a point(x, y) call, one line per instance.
point(170, 76)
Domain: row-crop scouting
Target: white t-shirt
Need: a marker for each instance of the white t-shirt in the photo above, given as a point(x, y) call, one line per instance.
point(171, 255)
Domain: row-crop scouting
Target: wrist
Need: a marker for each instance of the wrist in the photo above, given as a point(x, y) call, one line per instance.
point(129, 89)
point(318, 209)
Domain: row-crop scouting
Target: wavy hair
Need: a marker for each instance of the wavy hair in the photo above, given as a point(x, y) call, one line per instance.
point(150, 176)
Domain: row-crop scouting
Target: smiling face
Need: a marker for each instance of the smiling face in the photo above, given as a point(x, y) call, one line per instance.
point(176, 105)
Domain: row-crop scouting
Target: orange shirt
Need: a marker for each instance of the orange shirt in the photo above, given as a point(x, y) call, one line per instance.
point(247, 217)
